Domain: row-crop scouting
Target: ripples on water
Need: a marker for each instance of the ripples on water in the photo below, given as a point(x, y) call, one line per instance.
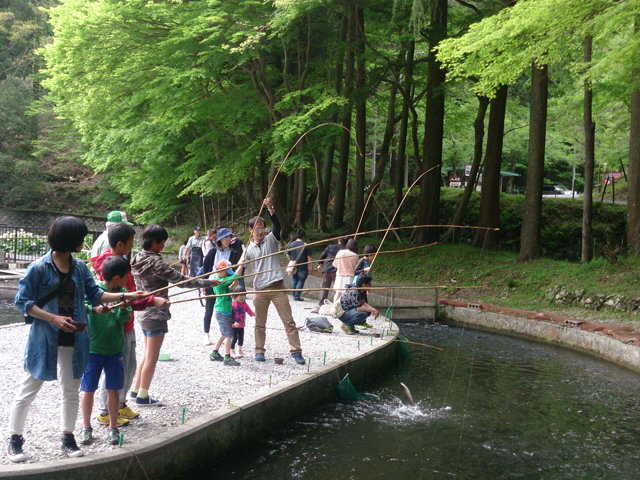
point(489, 406)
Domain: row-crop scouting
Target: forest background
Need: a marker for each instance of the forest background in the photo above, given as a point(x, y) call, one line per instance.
point(169, 109)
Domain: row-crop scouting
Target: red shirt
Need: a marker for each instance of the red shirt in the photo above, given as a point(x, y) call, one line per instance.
point(142, 304)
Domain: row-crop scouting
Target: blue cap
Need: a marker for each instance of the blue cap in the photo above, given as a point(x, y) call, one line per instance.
point(224, 232)
point(230, 272)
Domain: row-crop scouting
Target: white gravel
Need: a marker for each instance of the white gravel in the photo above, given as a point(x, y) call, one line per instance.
point(190, 379)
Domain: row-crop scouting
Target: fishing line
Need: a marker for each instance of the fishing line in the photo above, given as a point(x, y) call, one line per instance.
point(473, 354)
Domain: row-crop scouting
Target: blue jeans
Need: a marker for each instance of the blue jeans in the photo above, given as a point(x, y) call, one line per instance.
point(298, 279)
point(354, 317)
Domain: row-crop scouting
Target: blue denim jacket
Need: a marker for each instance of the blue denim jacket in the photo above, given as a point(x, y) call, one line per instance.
point(41, 353)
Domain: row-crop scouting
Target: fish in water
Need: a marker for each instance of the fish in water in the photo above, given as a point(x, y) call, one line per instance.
point(407, 393)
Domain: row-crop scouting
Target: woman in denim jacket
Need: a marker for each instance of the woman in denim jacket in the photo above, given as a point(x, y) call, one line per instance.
point(53, 339)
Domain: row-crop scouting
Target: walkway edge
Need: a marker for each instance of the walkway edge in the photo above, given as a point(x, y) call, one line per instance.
point(602, 346)
point(214, 434)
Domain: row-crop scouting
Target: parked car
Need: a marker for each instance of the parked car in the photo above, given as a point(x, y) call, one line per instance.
point(556, 191)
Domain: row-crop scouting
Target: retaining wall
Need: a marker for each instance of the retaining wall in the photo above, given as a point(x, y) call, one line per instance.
point(600, 345)
point(211, 436)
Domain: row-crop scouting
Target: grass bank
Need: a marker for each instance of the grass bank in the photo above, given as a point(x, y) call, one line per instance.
point(508, 283)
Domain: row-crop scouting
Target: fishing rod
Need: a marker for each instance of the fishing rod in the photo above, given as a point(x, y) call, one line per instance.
point(289, 290)
point(307, 263)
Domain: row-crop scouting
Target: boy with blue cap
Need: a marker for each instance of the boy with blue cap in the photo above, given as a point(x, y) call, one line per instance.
point(224, 312)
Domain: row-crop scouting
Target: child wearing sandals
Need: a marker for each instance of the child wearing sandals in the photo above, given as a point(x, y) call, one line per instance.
point(240, 310)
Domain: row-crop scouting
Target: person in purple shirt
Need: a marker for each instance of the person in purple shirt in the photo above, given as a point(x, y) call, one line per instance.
point(240, 310)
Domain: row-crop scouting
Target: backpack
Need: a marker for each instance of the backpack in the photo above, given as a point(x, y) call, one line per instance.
point(319, 324)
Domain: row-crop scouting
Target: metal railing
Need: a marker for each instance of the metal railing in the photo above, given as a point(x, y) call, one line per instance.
point(27, 244)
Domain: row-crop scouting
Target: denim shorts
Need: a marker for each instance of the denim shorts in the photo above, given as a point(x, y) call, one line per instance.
point(225, 320)
point(113, 366)
point(154, 333)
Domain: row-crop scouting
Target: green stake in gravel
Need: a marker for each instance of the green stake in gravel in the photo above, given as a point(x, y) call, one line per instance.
point(121, 440)
point(184, 410)
point(269, 380)
point(371, 339)
point(358, 344)
point(324, 362)
point(309, 366)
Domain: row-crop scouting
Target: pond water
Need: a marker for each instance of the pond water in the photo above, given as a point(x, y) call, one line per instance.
point(489, 406)
point(8, 312)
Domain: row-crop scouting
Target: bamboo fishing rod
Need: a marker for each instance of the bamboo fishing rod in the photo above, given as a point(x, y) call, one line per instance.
point(364, 210)
point(398, 211)
point(307, 263)
point(327, 240)
point(293, 148)
point(301, 290)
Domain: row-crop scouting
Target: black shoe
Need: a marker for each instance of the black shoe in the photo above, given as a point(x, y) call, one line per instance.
point(14, 449)
point(216, 357)
point(298, 299)
point(69, 446)
point(114, 436)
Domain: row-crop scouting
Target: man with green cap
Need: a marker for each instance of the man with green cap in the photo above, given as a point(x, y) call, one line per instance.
point(102, 242)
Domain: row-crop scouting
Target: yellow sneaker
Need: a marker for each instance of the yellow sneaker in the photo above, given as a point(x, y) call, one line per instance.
point(104, 420)
point(126, 412)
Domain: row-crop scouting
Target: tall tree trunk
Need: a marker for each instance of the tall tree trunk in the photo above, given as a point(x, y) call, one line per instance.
point(530, 236)
point(490, 196)
point(345, 140)
point(327, 167)
point(429, 205)
point(301, 200)
point(402, 134)
point(279, 194)
point(633, 204)
point(478, 129)
point(361, 120)
point(589, 160)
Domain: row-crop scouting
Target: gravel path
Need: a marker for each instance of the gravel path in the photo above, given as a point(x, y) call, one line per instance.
point(190, 379)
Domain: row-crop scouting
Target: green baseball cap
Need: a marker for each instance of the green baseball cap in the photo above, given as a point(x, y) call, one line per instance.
point(118, 217)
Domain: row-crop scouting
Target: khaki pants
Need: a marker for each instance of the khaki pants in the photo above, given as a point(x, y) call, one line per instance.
point(280, 300)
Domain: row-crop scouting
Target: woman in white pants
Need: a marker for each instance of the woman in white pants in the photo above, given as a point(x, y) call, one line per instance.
point(52, 296)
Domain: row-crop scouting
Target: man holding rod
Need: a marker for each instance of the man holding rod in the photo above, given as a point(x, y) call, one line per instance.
point(260, 245)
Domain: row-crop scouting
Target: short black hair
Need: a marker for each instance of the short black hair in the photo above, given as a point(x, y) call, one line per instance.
point(255, 220)
point(363, 279)
point(343, 241)
point(153, 233)
point(352, 245)
point(67, 234)
point(115, 266)
point(370, 248)
point(119, 232)
point(300, 233)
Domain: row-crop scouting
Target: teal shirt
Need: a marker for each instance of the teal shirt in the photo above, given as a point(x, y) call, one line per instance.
point(107, 330)
point(223, 304)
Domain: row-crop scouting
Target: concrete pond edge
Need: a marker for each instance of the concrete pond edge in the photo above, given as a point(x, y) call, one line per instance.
point(601, 346)
point(213, 435)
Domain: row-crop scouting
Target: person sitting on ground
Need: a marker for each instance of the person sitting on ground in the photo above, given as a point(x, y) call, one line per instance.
point(363, 264)
point(193, 253)
point(102, 242)
point(302, 256)
point(228, 247)
point(269, 278)
point(152, 272)
point(121, 242)
point(345, 263)
point(106, 326)
point(224, 312)
point(52, 292)
point(325, 264)
point(184, 264)
point(355, 306)
point(240, 310)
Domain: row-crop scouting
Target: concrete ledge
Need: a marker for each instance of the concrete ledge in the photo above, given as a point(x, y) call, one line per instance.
point(600, 345)
point(212, 436)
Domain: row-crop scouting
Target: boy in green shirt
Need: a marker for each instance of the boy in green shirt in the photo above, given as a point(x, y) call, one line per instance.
point(105, 349)
point(224, 312)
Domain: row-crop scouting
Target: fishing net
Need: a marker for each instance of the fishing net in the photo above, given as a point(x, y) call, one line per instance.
point(348, 391)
